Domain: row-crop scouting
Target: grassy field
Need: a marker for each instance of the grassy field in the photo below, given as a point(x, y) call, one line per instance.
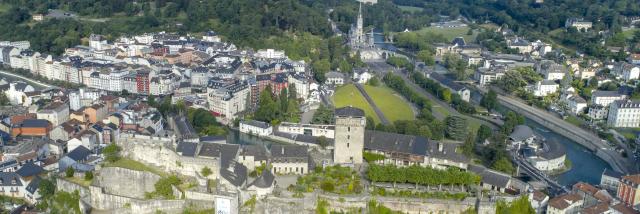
point(348, 95)
point(79, 180)
point(629, 133)
point(390, 103)
point(410, 9)
point(574, 120)
point(451, 33)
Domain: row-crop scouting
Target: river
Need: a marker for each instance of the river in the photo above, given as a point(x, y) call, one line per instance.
point(586, 166)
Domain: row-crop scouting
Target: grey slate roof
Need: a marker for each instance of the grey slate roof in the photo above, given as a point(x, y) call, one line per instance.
point(34, 123)
point(349, 111)
point(258, 152)
point(33, 185)
point(386, 141)
point(289, 151)
point(218, 149)
point(265, 180)
point(187, 148)
point(29, 169)
point(9, 163)
point(490, 177)
point(449, 152)
point(79, 153)
point(521, 132)
point(213, 138)
point(605, 94)
point(554, 150)
point(8, 179)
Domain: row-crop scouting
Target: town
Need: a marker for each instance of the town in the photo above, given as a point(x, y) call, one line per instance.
point(482, 120)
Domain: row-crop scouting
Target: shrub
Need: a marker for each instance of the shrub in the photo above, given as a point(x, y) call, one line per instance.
point(69, 172)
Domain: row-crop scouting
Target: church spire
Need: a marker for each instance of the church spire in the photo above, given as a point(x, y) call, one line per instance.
point(360, 17)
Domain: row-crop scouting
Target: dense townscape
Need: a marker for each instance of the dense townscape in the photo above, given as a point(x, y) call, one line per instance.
point(367, 106)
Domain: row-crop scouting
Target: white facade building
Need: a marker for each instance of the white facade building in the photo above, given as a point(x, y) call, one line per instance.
point(270, 54)
point(544, 88)
point(605, 98)
point(624, 113)
point(256, 127)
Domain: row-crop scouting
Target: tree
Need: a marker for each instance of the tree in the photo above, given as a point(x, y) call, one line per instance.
point(521, 205)
point(206, 171)
point(69, 172)
point(327, 186)
point(469, 145)
point(456, 127)
point(445, 95)
point(88, 175)
point(323, 141)
point(110, 152)
point(504, 165)
point(323, 115)
point(483, 133)
point(4, 100)
point(426, 56)
point(490, 100)
point(46, 188)
point(373, 81)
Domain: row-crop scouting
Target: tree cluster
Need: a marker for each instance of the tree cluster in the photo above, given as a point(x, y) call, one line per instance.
point(420, 175)
point(275, 109)
point(443, 93)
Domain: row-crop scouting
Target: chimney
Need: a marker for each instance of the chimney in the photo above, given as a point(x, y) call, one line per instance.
point(440, 147)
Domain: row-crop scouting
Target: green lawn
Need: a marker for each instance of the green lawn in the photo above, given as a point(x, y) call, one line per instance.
point(574, 120)
point(348, 95)
point(629, 133)
point(79, 180)
point(390, 103)
point(410, 9)
point(443, 111)
point(451, 33)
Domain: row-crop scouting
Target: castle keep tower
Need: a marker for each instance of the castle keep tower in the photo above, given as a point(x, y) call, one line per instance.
point(349, 135)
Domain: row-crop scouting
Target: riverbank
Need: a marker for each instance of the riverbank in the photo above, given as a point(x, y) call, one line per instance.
point(586, 139)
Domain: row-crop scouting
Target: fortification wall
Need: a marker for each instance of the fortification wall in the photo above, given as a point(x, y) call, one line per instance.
point(126, 182)
point(67, 186)
point(353, 204)
point(160, 155)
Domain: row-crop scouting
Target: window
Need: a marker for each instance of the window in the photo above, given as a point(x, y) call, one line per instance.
point(347, 145)
point(348, 129)
point(348, 137)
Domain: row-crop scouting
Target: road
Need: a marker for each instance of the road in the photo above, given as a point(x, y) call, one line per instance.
point(40, 84)
point(373, 105)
